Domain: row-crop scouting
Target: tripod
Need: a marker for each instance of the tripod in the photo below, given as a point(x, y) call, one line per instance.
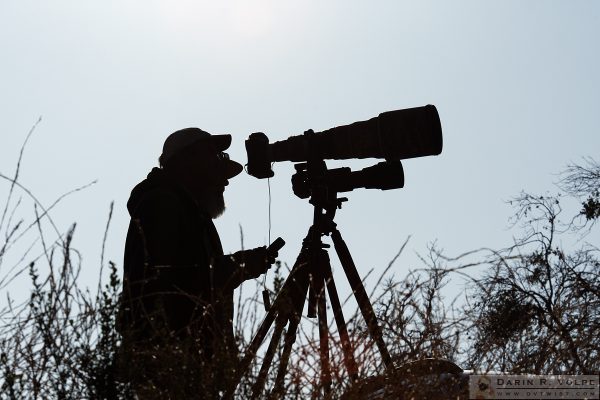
point(312, 274)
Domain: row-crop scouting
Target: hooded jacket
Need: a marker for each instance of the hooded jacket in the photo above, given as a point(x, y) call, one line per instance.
point(177, 281)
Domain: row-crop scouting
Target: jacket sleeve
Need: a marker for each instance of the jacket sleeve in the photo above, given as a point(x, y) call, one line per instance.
point(226, 272)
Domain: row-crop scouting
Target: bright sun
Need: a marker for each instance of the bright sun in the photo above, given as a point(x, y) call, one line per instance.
point(236, 19)
point(252, 18)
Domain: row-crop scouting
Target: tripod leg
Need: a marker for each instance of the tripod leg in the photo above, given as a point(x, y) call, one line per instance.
point(251, 351)
point(361, 296)
point(281, 305)
point(349, 360)
point(323, 334)
point(257, 388)
point(298, 300)
point(290, 339)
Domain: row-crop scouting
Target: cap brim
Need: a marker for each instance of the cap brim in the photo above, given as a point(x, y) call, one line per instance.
point(221, 142)
point(232, 169)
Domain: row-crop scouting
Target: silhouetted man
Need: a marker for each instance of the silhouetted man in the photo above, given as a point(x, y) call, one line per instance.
point(177, 304)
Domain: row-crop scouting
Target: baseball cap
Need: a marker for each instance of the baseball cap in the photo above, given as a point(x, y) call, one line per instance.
point(183, 138)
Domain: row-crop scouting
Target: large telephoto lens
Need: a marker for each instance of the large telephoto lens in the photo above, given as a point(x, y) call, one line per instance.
point(384, 176)
point(393, 135)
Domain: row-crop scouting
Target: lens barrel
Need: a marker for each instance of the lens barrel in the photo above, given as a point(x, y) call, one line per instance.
point(384, 176)
point(395, 135)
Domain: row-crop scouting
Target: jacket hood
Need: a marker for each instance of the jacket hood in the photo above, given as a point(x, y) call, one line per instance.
point(156, 178)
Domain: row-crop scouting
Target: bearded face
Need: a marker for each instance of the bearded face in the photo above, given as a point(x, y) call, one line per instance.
point(213, 202)
point(200, 170)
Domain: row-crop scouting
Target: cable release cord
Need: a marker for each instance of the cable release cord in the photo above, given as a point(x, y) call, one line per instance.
point(264, 282)
point(266, 293)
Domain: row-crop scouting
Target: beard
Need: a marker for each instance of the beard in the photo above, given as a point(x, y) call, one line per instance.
point(212, 202)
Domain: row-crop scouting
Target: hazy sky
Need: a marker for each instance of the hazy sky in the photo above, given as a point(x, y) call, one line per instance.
point(516, 83)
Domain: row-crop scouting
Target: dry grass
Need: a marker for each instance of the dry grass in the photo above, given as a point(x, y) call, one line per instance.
point(535, 309)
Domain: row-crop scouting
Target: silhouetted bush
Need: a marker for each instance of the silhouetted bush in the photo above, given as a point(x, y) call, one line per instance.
point(532, 307)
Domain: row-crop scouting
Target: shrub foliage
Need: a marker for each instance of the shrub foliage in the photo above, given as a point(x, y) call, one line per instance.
point(532, 307)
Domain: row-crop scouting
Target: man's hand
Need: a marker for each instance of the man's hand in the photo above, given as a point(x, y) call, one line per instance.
point(255, 262)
